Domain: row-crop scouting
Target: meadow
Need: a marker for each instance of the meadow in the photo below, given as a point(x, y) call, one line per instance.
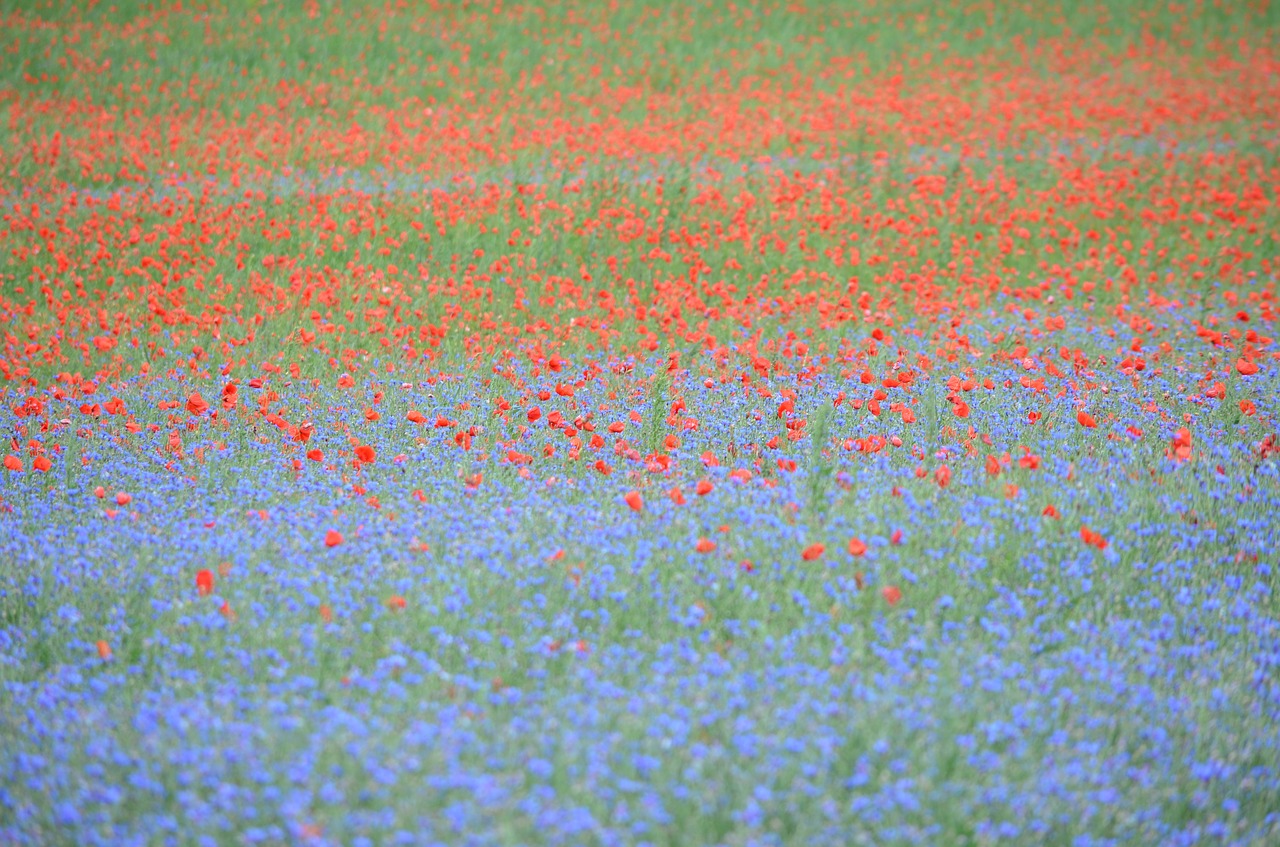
point(639, 423)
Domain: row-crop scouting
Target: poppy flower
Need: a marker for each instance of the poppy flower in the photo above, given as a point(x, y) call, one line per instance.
point(1086, 420)
point(395, 602)
point(1245, 367)
point(703, 487)
point(1092, 538)
point(415, 416)
point(813, 551)
point(365, 454)
point(326, 614)
point(123, 499)
point(99, 492)
point(204, 582)
point(705, 545)
point(332, 538)
point(12, 463)
point(41, 463)
point(891, 594)
point(677, 496)
point(315, 454)
point(104, 650)
point(857, 547)
point(634, 500)
point(942, 476)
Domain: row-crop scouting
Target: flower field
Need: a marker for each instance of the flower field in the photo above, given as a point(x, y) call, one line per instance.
point(779, 423)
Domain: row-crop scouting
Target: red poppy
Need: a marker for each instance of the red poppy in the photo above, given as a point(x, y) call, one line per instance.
point(204, 582)
point(703, 487)
point(395, 602)
point(1086, 420)
point(12, 463)
point(892, 594)
point(41, 463)
point(677, 496)
point(332, 538)
point(813, 551)
point(942, 476)
point(365, 454)
point(634, 500)
point(705, 545)
point(104, 650)
point(196, 404)
point(1245, 367)
point(1092, 538)
point(123, 499)
point(857, 547)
